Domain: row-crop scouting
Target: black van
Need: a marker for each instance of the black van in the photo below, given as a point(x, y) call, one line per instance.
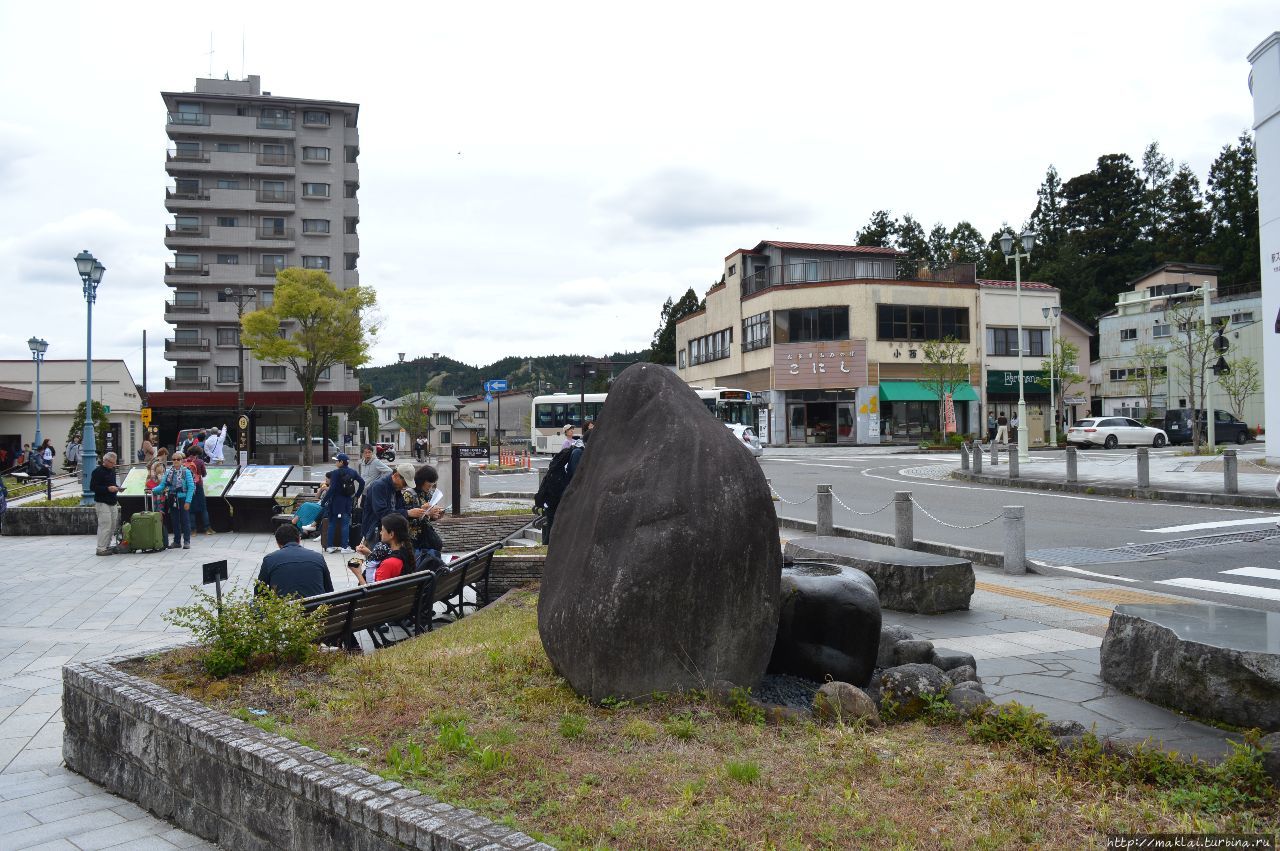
point(1226, 428)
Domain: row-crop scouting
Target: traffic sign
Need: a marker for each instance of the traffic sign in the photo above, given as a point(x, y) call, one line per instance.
point(488, 398)
point(106, 409)
point(496, 385)
point(426, 410)
point(145, 415)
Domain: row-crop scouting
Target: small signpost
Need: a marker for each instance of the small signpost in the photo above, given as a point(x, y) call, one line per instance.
point(216, 572)
point(459, 453)
point(494, 385)
point(145, 416)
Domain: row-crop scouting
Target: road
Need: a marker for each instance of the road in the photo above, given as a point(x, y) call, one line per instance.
point(1066, 533)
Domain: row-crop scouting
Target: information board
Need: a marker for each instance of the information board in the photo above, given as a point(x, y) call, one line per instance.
point(135, 483)
point(259, 481)
point(217, 479)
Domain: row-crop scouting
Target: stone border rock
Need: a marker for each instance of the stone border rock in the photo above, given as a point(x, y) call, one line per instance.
point(24, 520)
point(230, 782)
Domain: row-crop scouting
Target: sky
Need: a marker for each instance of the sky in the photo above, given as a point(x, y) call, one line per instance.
point(539, 178)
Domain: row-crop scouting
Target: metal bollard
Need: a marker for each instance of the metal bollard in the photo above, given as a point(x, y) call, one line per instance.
point(904, 509)
point(826, 526)
point(964, 456)
point(1071, 464)
point(474, 476)
point(1013, 463)
point(1144, 467)
point(995, 454)
point(1230, 471)
point(1015, 540)
point(977, 459)
point(542, 474)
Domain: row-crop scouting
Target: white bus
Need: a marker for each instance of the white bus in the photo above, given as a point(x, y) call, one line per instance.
point(550, 414)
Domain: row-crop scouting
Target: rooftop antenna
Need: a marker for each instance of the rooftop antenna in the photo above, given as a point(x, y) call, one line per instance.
point(242, 53)
point(211, 54)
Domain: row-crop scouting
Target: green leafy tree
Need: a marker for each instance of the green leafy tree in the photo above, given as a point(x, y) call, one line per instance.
point(946, 370)
point(1233, 205)
point(1048, 218)
point(663, 347)
point(410, 415)
point(100, 426)
point(1150, 363)
point(966, 244)
point(1243, 381)
point(939, 242)
point(1157, 174)
point(1187, 232)
point(1063, 369)
point(880, 231)
point(324, 327)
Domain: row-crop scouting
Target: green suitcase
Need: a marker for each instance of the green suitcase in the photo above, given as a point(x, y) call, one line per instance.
point(146, 532)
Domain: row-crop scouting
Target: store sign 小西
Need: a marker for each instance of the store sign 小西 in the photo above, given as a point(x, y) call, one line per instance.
point(831, 365)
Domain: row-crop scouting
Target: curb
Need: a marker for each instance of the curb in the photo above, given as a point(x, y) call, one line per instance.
point(986, 558)
point(1124, 491)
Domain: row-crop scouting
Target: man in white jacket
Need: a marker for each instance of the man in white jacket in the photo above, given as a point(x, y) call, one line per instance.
point(213, 444)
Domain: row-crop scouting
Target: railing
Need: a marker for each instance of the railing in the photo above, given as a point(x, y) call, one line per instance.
point(186, 269)
point(174, 344)
point(275, 196)
point(269, 122)
point(192, 118)
point(198, 383)
point(752, 345)
point(269, 270)
point(819, 271)
point(717, 354)
point(170, 193)
point(187, 156)
point(274, 159)
point(186, 307)
point(197, 231)
point(275, 233)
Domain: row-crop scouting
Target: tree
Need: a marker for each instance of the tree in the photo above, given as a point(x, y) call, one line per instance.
point(100, 427)
point(946, 370)
point(1150, 364)
point(312, 326)
point(966, 243)
point(1233, 205)
point(663, 347)
point(1062, 370)
point(1047, 220)
point(411, 417)
point(1244, 380)
point(1191, 351)
point(880, 231)
point(1187, 231)
point(1157, 171)
point(939, 243)
point(914, 245)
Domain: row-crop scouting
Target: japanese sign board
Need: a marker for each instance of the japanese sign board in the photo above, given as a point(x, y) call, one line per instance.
point(834, 365)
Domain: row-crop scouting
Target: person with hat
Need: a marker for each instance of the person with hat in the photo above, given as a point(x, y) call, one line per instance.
point(385, 497)
point(569, 437)
point(342, 488)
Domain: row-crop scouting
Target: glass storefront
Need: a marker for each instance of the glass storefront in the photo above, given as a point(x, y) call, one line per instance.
point(818, 417)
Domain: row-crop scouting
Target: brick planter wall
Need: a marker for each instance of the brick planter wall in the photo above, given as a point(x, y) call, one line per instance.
point(509, 572)
point(21, 521)
point(241, 787)
point(461, 534)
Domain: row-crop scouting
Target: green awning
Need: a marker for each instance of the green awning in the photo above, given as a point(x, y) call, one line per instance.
point(916, 391)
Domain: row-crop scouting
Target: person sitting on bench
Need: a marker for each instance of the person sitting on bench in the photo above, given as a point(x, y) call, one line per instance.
point(293, 570)
point(306, 515)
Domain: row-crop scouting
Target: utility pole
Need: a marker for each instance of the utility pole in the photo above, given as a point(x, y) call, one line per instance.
point(240, 297)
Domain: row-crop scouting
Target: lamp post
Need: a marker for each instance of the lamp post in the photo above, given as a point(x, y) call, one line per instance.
point(240, 296)
point(38, 348)
point(1046, 312)
point(91, 272)
point(1028, 240)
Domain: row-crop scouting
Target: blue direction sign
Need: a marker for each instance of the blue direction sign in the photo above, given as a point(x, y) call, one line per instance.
point(488, 398)
point(496, 385)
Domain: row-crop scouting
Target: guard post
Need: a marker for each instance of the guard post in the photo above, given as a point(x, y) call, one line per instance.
point(215, 572)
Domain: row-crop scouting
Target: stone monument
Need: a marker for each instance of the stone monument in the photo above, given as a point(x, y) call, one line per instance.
point(664, 570)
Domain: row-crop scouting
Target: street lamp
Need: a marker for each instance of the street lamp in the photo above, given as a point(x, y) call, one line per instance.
point(240, 297)
point(38, 348)
point(1010, 253)
point(1055, 311)
point(90, 271)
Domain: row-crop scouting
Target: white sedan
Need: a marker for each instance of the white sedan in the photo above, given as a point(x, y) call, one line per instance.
point(748, 438)
point(1110, 432)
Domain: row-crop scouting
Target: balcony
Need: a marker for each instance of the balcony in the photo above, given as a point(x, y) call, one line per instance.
point(189, 119)
point(274, 234)
point(200, 382)
point(269, 270)
point(186, 350)
point(256, 127)
point(177, 273)
point(228, 162)
point(277, 160)
point(176, 158)
point(208, 199)
point(178, 311)
point(274, 196)
point(819, 271)
point(182, 237)
point(271, 122)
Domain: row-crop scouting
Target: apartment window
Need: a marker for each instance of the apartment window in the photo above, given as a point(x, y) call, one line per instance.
point(228, 183)
point(186, 297)
point(186, 186)
point(711, 347)
point(349, 189)
point(1128, 333)
point(228, 222)
point(274, 118)
point(186, 335)
point(273, 373)
point(266, 298)
point(272, 225)
point(1241, 317)
point(186, 150)
point(227, 147)
point(228, 375)
point(315, 116)
point(186, 262)
point(274, 150)
point(446, 437)
point(315, 225)
point(480, 415)
point(186, 374)
point(349, 261)
point(228, 336)
point(1036, 341)
point(733, 269)
point(1161, 329)
point(351, 153)
point(324, 374)
point(315, 154)
point(272, 190)
point(315, 190)
point(811, 324)
point(917, 323)
point(443, 419)
point(311, 261)
point(682, 362)
point(186, 223)
point(755, 332)
point(273, 261)
point(190, 108)
point(229, 259)
point(272, 154)
point(349, 224)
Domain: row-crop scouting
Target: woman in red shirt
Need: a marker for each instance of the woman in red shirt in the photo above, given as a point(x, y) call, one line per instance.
point(395, 534)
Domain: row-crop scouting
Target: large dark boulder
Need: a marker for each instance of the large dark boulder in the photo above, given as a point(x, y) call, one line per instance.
point(1213, 661)
point(664, 568)
point(829, 626)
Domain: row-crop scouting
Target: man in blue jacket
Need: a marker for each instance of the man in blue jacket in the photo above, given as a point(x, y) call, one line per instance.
point(343, 487)
point(386, 496)
point(293, 570)
point(178, 487)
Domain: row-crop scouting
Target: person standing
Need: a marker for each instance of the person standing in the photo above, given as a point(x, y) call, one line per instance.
point(991, 427)
point(214, 443)
point(146, 454)
point(420, 447)
point(45, 456)
point(343, 487)
point(569, 437)
point(1002, 429)
point(199, 506)
point(178, 488)
point(1013, 428)
point(72, 452)
point(102, 481)
point(370, 467)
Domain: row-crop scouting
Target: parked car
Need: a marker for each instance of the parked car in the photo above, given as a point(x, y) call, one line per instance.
point(748, 438)
point(332, 451)
point(1110, 432)
point(1226, 428)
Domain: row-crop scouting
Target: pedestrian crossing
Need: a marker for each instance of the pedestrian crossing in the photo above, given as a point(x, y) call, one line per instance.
point(1269, 590)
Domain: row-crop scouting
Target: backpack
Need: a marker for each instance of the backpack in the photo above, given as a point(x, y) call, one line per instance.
point(348, 486)
point(555, 482)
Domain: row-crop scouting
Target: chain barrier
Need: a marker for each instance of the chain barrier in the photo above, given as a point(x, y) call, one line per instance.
point(1108, 463)
point(781, 498)
point(1253, 463)
point(927, 513)
point(840, 502)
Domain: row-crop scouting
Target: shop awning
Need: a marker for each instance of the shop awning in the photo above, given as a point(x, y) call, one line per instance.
point(916, 391)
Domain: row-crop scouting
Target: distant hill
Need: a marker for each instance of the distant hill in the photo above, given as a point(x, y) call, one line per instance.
point(446, 376)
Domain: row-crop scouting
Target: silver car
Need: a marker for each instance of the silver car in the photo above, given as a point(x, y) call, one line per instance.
point(748, 438)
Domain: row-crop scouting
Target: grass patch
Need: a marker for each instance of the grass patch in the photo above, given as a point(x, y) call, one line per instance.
point(537, 550)
point(60, 502)
point(475, 715)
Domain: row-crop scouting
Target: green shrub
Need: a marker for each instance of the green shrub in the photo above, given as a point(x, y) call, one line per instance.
point(682, 727)
point(454, 737)
point(1013, 722)
point(743, 772)
point(254, 629)
point(572, 726)
point(743, 708)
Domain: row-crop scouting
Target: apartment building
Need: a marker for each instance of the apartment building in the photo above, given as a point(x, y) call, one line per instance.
point(260, 183)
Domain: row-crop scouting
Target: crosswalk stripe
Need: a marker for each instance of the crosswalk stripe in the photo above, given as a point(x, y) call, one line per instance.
point(1256, 572)
point(1240, 590)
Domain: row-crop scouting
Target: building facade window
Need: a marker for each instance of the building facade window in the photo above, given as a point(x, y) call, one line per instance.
point(1002, 341)
point(1128, 333)
point(229, 259)
point(324, 374)
point(186, 262)
point(443, 419)
point(315, 225)
point(273, 373)
point(1241, 317)
point(227, 147)
point(315, 116)
point(189, 186)
point(350, 261)
point(315, 190)
point(681, 354)
point(811, 324)
point(272, 225)
point(228, 222)
point(186, 224)
point(349, 224)
point(755, 332)
point(228, 183)
point(1035, 341)
point(1161, 329)
point(711, 347)
point(349, 189)
point(315, 154)
point(312, 261)
point(228, 375)
point(228, 336)
point(1137, 373)
point(273, 261)
point(186, 374)
point(446, 437)
point(190, 336)
point(918, 323)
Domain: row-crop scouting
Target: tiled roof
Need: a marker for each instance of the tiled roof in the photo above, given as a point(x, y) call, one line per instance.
point(816, 246)
point(1009, 285)
point(740, 251)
